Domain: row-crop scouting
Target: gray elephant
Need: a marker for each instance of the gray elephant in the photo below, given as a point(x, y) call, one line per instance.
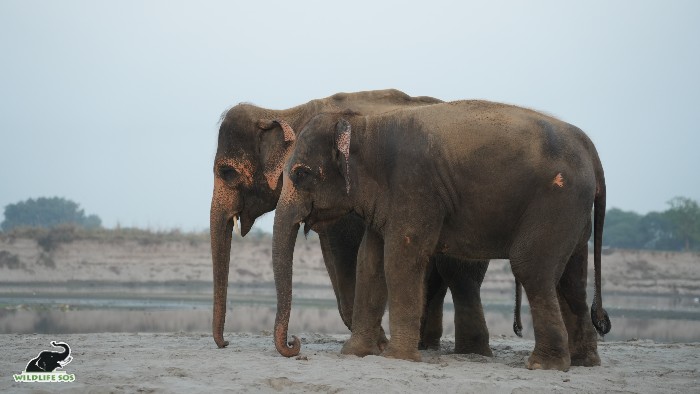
point(48, 361)
point(467, 179)
point(253, 145)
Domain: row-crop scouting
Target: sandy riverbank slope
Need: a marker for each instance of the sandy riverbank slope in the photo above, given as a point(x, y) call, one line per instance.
point(157, 260)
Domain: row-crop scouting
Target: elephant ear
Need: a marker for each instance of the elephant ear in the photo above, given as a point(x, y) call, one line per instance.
point(266, 124)
point(274, 161)
point(342, 145)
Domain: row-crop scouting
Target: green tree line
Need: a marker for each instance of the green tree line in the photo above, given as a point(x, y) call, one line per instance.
point(47, 212)
point(677, 228)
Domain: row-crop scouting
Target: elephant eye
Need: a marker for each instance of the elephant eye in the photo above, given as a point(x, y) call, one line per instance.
point(227, 173)
point(300, 174)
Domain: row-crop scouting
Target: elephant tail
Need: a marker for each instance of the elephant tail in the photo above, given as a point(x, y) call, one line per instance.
point(517, 323)
point(601, 320)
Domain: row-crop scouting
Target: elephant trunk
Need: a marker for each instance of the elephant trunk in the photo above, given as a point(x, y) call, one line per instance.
point(221, 226)
point(66, 349)
point(283, 240)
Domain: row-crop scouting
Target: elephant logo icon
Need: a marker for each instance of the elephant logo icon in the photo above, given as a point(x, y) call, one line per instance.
point(48, 361)
point(43, 367)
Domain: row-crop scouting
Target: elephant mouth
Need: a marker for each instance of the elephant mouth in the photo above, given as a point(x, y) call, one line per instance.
point(242, 223)
point(320, 219)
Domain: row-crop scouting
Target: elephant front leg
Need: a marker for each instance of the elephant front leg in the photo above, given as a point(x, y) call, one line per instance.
point(370, 299)
point(339, 245)
point(405, 261)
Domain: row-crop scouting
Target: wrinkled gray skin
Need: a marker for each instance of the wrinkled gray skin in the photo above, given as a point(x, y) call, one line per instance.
point(470, 180)
point(253, 145)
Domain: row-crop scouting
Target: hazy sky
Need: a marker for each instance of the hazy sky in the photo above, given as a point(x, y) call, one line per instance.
point(115, 104)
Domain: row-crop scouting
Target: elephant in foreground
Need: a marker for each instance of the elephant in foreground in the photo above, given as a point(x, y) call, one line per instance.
point(466, 179)
point(48, 361)
point(253, 145)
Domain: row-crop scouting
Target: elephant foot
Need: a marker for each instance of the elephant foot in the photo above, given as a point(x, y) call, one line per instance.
point(584, 350)
point(382, 342)
point(473, 344)
point(402, 354)
point(360, 346)
point(429, 344)
point(474, 348)
point(539, 362)
point(590, 359)
point(430, 339)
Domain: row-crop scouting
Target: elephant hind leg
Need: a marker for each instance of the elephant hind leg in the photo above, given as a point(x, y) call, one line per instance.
point(551, 339)
point(549, 237)
point(538, 258)
point(464, 279)
point(572, 301)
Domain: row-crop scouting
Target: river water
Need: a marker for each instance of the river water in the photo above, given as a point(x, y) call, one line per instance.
point(89, 308)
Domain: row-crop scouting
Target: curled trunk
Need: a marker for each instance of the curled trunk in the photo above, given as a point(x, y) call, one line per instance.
point(283, 240)
point(66, 350)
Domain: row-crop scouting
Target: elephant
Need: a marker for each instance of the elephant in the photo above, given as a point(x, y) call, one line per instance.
point(253, 144)
point(48, 361)
point(467, 179)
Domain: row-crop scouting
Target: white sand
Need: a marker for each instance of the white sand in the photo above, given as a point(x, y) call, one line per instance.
point(190, 363)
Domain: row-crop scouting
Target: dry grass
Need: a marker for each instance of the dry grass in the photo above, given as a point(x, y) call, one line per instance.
point(50, 238)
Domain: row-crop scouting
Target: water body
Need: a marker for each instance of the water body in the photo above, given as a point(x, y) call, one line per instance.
point(175, 307)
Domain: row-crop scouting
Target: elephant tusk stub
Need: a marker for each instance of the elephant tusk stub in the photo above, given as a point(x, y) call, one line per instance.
point(236, 225)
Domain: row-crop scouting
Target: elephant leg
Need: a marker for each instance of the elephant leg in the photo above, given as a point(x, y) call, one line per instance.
point(370, 301)
point(464, 279)
point(339, 245)
point(328, 259)
point(551, 340)
point(572, 302)
point(549, 234)
point(405, 261)
point(431, 322)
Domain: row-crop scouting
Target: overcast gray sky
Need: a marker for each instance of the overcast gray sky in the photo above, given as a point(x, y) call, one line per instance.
point(115, 104)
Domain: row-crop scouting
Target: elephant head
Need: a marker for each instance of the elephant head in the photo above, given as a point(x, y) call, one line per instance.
point(251, 151)
point(316, 190)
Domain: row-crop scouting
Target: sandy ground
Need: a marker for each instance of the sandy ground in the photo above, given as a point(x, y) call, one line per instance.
point(190, 362)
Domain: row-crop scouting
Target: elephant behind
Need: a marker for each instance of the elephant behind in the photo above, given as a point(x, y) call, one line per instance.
point(253, 145)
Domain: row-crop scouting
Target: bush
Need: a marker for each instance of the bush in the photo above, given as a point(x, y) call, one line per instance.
point(47, 212)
